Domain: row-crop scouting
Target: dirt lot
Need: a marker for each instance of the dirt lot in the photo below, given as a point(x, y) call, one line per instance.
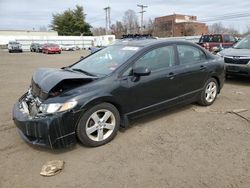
point(188, 147)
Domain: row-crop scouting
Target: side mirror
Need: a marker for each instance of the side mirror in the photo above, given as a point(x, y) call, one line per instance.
point(82, 57)
point(141, 71)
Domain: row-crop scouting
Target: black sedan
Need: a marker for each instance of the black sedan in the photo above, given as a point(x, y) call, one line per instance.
point(36, 47)
point(89, 100)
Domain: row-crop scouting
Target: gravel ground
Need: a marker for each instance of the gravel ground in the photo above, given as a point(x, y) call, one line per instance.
point(191, 146)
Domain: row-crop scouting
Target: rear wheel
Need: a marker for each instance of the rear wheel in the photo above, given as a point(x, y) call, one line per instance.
point(209, 92)
point(98, 125)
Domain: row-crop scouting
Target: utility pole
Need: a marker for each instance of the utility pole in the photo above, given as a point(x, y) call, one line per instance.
point(142, 12)
point(108, 22)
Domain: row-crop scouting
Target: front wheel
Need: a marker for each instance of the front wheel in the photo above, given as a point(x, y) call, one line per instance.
point(98, 125)
point(209, 92)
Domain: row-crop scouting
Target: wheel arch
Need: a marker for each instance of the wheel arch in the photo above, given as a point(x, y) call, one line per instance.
point(107, 99)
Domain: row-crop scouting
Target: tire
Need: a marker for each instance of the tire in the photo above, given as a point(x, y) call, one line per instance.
point(92, 131)
point(209, 92)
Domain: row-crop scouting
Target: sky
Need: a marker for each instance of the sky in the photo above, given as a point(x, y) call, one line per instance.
point(33, 14)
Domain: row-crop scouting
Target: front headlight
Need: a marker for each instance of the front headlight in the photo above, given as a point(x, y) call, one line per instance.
point(57, 107)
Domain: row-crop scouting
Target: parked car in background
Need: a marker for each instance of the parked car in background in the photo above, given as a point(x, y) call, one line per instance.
point(36, 47)
point(68, 47)
point(92, 98)
point(51, 48)
point(217, 42)
point(14, 47)
point(237, 58)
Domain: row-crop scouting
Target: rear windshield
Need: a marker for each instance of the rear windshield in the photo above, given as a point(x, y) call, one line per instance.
point(13, 43)
point(211, 38)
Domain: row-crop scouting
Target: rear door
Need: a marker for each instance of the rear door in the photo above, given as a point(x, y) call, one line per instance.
point(192, 70)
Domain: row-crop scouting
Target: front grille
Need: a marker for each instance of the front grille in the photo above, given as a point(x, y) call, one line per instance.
point(37, 91)
point(236, 60)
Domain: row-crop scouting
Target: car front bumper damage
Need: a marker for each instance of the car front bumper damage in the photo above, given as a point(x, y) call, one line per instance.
point(54, 130)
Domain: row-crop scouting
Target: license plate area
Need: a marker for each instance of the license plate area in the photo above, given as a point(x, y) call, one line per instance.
point(233, 69)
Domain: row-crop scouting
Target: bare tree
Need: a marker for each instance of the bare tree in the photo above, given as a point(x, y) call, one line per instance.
point(98, 31)
point(220, 28)
point(118, 29)
point(150, 27)
point(130, 22)
point(247, 32)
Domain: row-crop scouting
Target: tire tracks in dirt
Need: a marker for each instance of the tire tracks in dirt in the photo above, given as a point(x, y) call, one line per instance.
point(7, 126)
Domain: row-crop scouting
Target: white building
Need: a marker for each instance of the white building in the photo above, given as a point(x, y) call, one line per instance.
point(28, 37)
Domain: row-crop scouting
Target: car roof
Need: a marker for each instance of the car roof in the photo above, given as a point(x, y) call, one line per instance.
point(13, 42)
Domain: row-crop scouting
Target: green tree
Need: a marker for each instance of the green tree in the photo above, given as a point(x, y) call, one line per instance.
point(71, 22)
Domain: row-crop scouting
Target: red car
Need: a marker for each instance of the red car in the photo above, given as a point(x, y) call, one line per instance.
point(217, 42)
point(51, 49)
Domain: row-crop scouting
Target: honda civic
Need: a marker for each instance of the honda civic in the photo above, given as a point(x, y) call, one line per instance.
point(89, 100)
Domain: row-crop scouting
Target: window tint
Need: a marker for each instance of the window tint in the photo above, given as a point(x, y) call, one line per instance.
point(106, 60)
point(189, 54)
point(232, 39)
point(211, 38)
point(226, 38)
point(157, 59)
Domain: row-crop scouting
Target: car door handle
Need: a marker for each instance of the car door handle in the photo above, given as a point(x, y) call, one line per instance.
point(202, 68)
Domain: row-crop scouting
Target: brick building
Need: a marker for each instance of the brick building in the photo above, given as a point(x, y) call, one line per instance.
point(179, 25)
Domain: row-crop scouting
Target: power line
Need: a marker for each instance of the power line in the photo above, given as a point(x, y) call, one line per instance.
point(142, 12)
point(227, 14)
point(225, 17)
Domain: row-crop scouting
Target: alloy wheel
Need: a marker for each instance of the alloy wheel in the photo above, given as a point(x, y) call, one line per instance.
point(100, 125)
point(211, 92)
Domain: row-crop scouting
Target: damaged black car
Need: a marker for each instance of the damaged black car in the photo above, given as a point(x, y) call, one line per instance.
point(89, 100)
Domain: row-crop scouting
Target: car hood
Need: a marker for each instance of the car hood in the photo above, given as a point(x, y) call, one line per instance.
point(235, 52)
point(51, 82)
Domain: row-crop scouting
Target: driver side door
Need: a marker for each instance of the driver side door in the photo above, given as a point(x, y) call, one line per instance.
point(154, 90)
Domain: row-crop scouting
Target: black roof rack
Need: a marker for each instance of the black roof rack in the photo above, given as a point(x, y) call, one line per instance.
point(137, 36)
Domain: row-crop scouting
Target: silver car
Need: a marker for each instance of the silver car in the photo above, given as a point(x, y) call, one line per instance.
point(237, 58)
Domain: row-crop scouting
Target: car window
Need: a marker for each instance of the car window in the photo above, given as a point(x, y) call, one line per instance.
point(226, 38)
point(243, 43)
point(159, 58)
point(211, 38)
point(232, 39)
point(107, 60)
point(190, 54)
